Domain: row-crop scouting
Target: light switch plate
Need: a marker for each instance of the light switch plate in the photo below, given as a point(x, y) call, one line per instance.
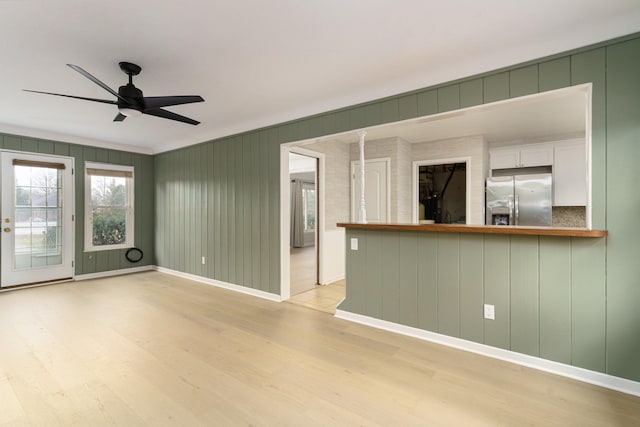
point(354, 243)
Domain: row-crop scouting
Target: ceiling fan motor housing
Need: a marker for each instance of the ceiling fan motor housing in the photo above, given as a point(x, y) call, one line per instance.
point(133, 95)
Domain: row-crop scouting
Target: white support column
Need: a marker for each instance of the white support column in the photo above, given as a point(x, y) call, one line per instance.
point(362, 213)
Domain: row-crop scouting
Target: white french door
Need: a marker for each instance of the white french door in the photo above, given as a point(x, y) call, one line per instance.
point(37, 219)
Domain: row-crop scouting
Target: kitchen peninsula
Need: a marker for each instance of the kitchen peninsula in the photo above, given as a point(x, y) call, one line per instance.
point(542, 286)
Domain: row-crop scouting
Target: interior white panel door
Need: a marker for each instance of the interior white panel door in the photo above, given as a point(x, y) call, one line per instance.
point(376, 191)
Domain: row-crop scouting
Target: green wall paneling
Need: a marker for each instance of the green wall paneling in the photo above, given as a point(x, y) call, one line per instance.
point(588, 304)
point(410, 262)
point(357, 118)
point(12, 143)
point(427, 102)
point(373, 114)
point(623, 205)
point(240, 210)
point(523, 81)
point(46, 147)
point(471, 93)
point(448, 274)
point(524, 294)
point(373, 275)
point(555, 299)
point(256, 210)
point(496, 87)
point(426, 281)
point(389, 110)
point(472, 287)
point(407, 107)
point(274, 211)
point(231, 210)
point(448, 98)
point(61, 149)
point(264, 212)
point(497, 332)
point(555, 74)
point(247, 276)
point(390, 279)
point(356, 279)
point(30, 145)
point(342, 121)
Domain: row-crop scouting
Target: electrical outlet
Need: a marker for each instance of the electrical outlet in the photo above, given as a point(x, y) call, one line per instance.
point(354, 244)
point(203, 261)
point(490, 311)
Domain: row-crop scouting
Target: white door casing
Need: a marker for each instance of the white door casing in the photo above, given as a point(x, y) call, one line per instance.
point(37, 226)
point(376, 193)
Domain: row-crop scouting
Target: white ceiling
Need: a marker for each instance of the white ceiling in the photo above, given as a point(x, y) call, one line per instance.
point(258, 63)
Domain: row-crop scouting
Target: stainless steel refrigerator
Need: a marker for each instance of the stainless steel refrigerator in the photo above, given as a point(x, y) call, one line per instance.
point(519, 200)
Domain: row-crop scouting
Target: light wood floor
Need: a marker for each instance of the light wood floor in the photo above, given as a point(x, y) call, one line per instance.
point(324, 298)
point(152, 349)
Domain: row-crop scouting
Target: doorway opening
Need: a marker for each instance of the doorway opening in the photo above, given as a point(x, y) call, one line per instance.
point(303, 223)
point(441, 192)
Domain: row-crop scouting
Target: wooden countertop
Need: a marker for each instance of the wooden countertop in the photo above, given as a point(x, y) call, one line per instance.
point(487, 229)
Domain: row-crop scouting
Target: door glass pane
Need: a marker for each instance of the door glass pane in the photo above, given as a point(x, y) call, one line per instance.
point(38, 225)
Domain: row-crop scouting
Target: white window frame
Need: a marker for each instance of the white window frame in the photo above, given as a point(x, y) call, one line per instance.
point(88, 217)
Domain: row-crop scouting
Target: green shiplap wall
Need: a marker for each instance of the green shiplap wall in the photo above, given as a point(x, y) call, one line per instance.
point(445, 278)
point(568, 300)
point(95, 262)
point(219, 200)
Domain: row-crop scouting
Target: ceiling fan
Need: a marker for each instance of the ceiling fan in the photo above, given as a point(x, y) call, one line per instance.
point(130, 101)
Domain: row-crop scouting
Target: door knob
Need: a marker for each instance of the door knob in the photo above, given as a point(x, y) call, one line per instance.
point(7, 220)
point(7, 229)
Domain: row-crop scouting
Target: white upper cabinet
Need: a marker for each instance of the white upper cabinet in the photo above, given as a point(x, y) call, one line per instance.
point(570, 174)
point(521, 157)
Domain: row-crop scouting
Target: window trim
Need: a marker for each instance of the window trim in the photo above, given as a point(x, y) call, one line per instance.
point(119, 170)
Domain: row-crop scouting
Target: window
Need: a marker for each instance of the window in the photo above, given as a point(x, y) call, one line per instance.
point(309, 206)
point(108, 206)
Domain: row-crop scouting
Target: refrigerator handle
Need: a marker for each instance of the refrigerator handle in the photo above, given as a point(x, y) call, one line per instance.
point(517, 209)
point(510, 206)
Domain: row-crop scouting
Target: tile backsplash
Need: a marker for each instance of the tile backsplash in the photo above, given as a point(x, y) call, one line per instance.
point(569, 216)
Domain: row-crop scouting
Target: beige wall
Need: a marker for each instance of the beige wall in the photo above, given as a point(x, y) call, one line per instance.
point(399, 153)
point(336, 176)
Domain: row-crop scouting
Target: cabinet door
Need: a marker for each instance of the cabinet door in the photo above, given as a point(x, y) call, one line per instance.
point(504, 159)
point(536, 156)
point(570, 175)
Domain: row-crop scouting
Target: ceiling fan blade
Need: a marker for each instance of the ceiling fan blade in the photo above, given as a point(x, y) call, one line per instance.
point(159, 112)
point(104, 101)
point(120, 117)
point(152, 102)
point(96, 81)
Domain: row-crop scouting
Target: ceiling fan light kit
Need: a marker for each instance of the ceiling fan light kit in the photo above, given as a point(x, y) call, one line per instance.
point(130, 100)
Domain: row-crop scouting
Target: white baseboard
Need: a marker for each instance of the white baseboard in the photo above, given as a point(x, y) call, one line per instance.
point(221, 284)
point(580, 374)
point(114, 272)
